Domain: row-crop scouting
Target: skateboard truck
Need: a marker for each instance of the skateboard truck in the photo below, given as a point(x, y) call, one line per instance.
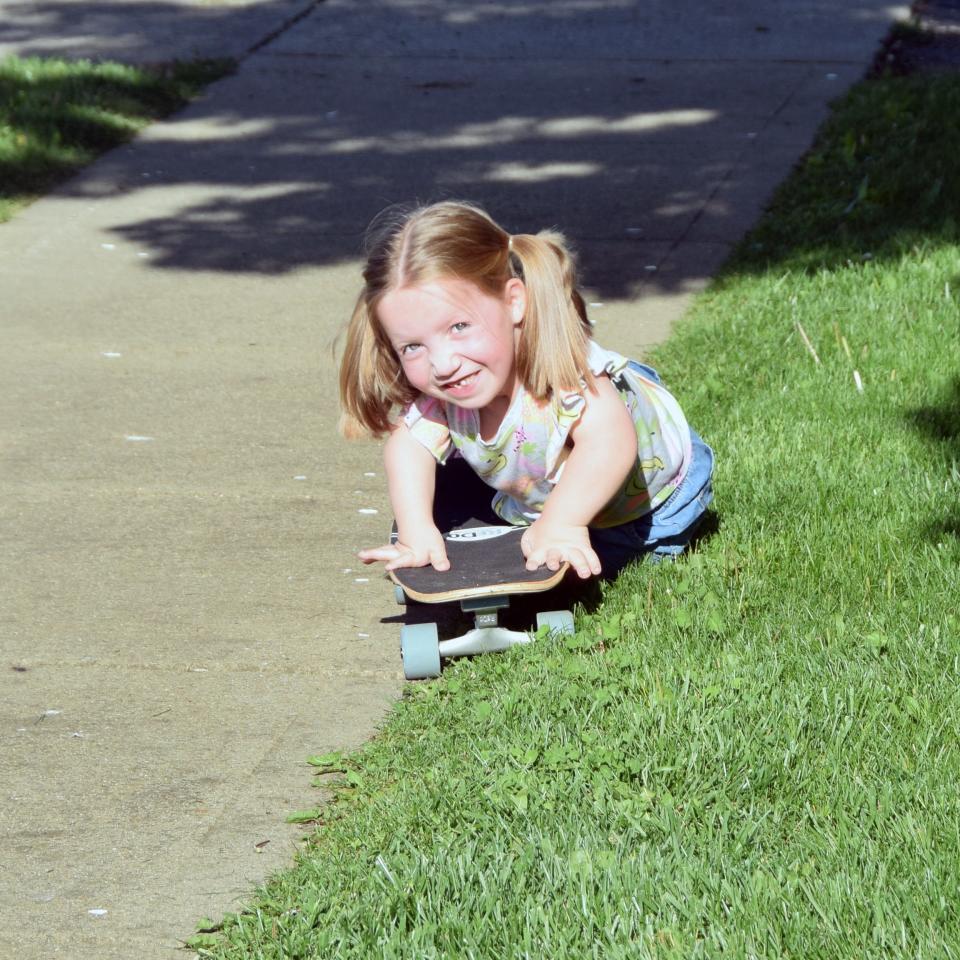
point(487, 636)
point(421, 647)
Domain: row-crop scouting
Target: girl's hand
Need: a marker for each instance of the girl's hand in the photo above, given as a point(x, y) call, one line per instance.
point(426, 548)
point(549, 545)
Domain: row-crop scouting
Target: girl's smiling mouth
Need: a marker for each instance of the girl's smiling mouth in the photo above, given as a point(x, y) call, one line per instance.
point(461, 385)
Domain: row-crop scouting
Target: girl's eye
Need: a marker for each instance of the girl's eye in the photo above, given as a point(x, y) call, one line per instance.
point(460, 326)
point(408, 348)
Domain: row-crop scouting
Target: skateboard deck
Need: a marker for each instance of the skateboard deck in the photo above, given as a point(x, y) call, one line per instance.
point(487, 567)
point(485, 560)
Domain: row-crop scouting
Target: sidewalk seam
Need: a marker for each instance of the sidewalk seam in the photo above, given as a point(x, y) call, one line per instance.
point(748, 146)
point(283, 28)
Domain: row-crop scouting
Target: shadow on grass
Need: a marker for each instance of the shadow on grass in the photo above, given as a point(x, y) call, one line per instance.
point(56, 116)
point(881, 179)
point(941, 422)
point(948, 529)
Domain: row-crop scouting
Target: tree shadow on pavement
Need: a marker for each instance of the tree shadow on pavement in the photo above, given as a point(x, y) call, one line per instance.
point(293, 171)
point(629, 127)
point(141, 32)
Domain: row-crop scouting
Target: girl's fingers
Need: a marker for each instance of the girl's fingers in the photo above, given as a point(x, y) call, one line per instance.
point(396, 556)
point(586, 564)
point(551, 559)
point(391, 555)
point(375, 554)
point(403, 558)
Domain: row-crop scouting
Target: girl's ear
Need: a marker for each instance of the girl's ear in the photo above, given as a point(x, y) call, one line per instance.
point(515, 294)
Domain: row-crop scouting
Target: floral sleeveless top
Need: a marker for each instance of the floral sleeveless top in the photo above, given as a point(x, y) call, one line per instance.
point(525, 459)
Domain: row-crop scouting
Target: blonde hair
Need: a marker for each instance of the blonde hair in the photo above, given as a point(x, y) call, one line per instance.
point(459, 241)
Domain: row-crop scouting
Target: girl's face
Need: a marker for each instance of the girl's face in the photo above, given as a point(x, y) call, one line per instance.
point(455, 342)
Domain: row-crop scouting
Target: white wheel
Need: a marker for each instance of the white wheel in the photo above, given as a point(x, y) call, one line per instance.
point(399, 595)
point(557, 621)
point(420, 650)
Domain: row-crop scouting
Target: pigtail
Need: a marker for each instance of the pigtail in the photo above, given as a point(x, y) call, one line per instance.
point(555, 336)
point(370, 382)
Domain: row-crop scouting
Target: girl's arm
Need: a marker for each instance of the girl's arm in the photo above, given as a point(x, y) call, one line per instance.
point(411, 478)
point(604, 452)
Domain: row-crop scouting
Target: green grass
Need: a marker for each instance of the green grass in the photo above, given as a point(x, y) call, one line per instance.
point(57, 115)
point(753, 752)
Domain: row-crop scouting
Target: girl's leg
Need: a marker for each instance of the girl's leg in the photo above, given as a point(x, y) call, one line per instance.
point(667, 530)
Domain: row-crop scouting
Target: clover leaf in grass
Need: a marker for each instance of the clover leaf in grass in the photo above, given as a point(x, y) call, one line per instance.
point(524, 757)
point(327, 762)
point(610, 628)
point(715, 622)
point(580, 862)
point(303, 816)
point(202, 941)
point(482, 711)
point(559, 757)
point(913, 707)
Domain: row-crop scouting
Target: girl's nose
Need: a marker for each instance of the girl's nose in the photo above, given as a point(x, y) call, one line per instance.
point(445, 363)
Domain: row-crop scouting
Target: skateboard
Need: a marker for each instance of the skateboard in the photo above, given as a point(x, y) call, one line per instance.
point(487, 568)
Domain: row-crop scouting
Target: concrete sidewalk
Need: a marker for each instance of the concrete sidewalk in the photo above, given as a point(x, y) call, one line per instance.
point(183, 621)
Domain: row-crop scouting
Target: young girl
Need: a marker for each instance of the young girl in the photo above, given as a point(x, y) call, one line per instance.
point(468, 341)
